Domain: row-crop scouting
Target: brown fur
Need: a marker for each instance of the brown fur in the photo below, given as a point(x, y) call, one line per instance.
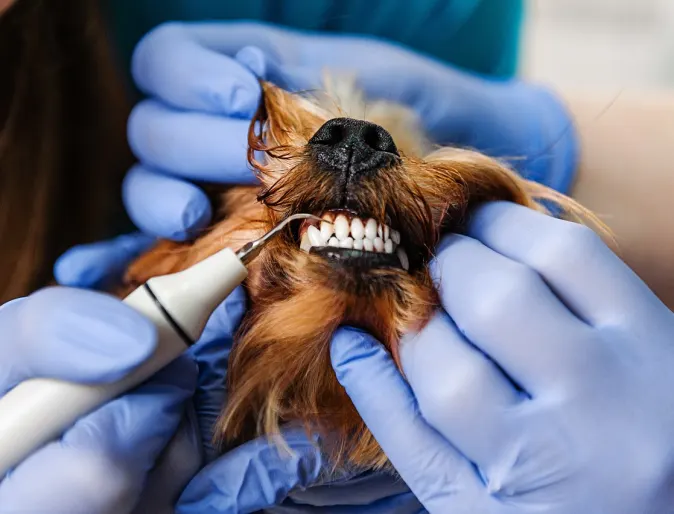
point(279, 369)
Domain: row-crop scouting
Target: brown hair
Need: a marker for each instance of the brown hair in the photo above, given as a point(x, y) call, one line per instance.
point(62, 137)
point(283, 375)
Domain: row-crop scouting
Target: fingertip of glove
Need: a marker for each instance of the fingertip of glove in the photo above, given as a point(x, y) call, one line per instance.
point(253, 58)
point(350, 345)
point(72, 268)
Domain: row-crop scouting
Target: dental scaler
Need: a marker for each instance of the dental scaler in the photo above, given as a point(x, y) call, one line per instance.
point(40, 410)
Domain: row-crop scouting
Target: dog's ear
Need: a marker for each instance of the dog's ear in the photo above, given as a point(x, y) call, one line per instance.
point(477, 178)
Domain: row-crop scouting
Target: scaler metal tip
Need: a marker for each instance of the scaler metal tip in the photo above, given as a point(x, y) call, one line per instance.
point(250, 250)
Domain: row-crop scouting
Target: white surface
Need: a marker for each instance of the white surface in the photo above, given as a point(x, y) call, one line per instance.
point(600, 44)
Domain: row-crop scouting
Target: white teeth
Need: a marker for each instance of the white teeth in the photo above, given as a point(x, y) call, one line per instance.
point(379, 244)
point(357, 228)
point(344, 231)
point(305, 244)
point(347, 243)
point(371, 229)
point(315, 236)
point(404, 261)
point(327, 229)
point(341, 227)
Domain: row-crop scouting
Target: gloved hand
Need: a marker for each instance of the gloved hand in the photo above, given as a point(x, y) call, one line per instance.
point(545, 385)
point(255, 475)
point(100, 464)
point(202, 88)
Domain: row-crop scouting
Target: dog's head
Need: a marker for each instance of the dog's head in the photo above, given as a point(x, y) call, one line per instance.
point(388, 195)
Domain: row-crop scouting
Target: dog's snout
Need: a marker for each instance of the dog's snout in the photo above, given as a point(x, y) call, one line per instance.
point(354, 145)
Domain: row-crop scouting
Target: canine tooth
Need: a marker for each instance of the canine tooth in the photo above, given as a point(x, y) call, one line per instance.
point(368, 246)
point(395, 236)
point(404, 261)
point(347, 243)
point(357, 228)
point(315, 236)
point(305, 244)
point(333, 241)
point(387, 232)
point(388, 246)
point(341, 227)
point(380, 231)
point(327, 229)
point(358, 244)
point(371, 229)
point(379, 244)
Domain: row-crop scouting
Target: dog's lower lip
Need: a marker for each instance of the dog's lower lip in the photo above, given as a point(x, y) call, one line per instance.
point(357, 258)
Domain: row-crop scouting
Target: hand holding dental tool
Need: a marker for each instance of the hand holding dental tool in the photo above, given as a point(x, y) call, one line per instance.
point(179, 304)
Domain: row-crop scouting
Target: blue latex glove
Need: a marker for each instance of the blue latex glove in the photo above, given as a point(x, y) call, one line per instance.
point(542, 303)
point(255, 475)
point(202, 94)
point(100, 464)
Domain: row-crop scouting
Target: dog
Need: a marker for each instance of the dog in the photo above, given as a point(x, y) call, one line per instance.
point(387, 195)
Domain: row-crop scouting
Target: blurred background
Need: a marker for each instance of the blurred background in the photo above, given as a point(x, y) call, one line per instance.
point(600, 43)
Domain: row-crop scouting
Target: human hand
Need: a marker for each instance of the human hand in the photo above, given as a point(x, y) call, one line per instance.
point(201, 80)
point(100, 464)
point(544, 304)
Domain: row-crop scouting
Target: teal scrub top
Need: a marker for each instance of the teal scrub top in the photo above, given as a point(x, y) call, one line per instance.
point(476, 35)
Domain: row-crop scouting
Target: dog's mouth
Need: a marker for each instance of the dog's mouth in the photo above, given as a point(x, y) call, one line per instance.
point(352, 240)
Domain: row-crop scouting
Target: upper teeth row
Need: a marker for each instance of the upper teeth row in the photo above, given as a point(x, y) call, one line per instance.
point(369, 236)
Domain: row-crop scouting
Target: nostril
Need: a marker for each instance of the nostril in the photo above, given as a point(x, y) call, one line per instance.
point(379, 139)
point(330, 134)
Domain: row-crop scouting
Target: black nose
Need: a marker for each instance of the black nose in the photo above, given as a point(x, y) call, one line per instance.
point(346, 144)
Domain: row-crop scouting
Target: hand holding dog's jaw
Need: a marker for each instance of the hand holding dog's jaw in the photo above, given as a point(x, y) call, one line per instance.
point(389, 197)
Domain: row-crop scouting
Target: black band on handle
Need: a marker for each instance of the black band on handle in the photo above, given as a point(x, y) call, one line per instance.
point(186, 339)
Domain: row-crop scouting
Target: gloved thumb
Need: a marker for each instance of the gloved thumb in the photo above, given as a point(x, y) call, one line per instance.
point(46, 332)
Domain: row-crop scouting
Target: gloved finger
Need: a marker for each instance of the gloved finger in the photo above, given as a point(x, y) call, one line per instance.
point(284, 75)
point(588, 277)
point(171, 64)
point(181, 459)
point(460, 392)
point(253, 476)
point(164, 206)
point(211, 353)
point(101, 463)
point(508, 311)
point(71, 334)
point(190, 144)
point(98, 265)
point(422, 456)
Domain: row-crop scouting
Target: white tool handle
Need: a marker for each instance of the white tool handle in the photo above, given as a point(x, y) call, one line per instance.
point(40, 410)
